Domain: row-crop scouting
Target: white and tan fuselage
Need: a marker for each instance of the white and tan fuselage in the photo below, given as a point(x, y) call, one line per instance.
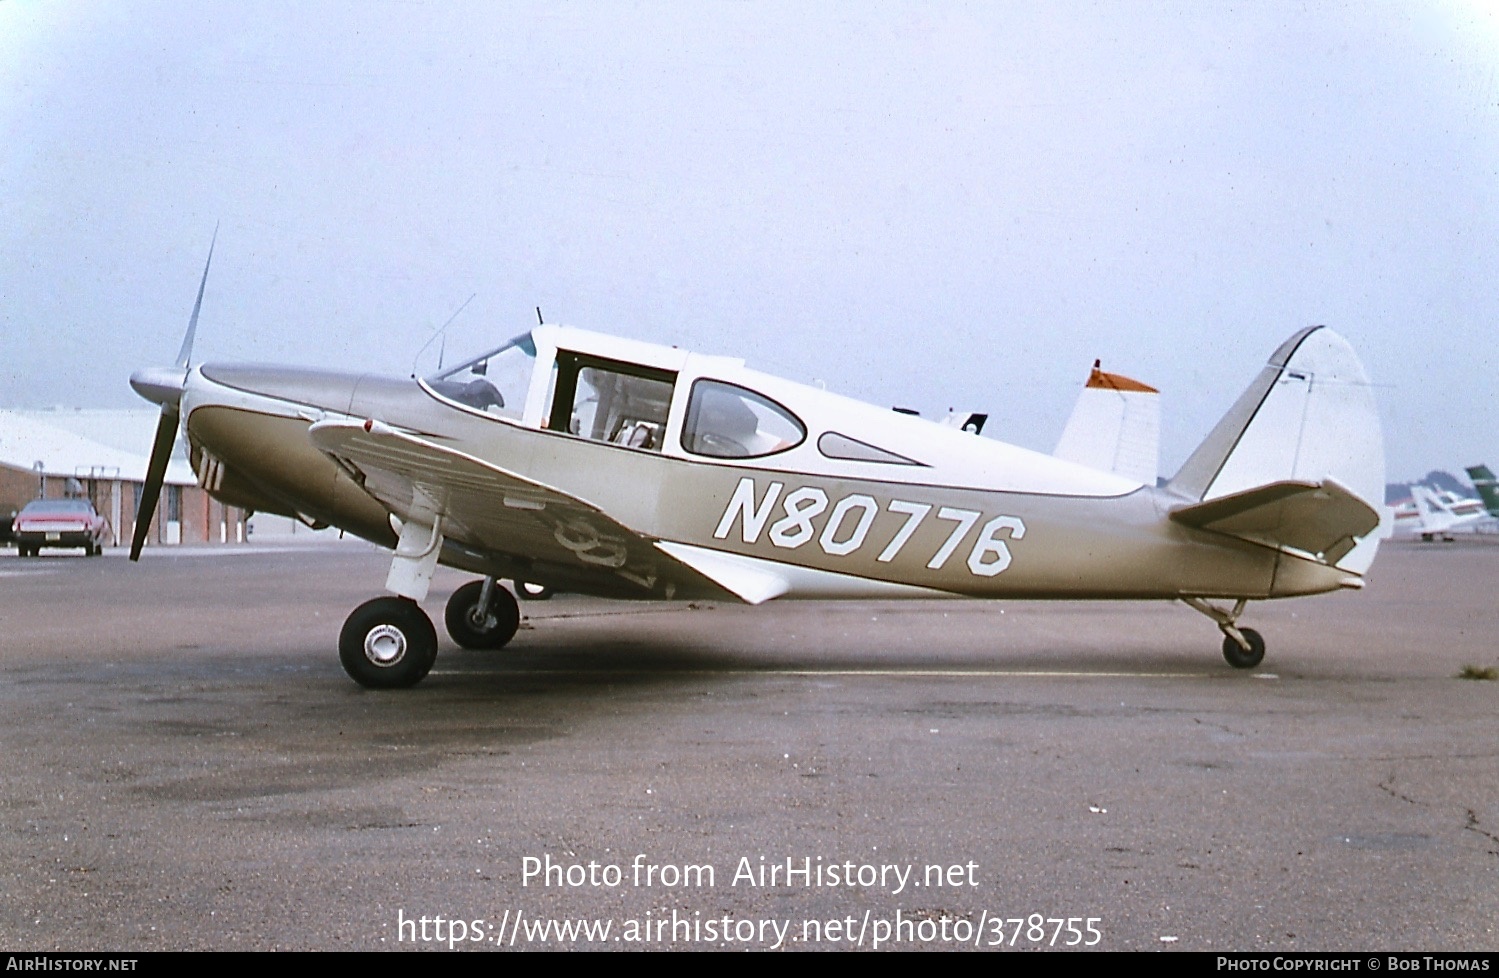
point(941, 512)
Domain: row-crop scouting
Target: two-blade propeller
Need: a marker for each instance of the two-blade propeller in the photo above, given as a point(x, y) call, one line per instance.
point(164, 386)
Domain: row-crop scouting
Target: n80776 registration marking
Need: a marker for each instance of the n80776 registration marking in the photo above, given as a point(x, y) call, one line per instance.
point(847, 526)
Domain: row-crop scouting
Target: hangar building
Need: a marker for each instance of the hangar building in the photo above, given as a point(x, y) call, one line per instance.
point(103, 454)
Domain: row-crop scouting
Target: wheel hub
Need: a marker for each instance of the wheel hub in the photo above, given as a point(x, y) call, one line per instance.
point(384, 645)
point(480, 619)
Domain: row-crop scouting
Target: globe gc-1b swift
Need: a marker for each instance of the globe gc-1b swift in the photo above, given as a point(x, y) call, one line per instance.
point(599, 465)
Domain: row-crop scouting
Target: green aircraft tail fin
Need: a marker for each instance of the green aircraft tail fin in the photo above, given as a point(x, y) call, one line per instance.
point(1488, 491)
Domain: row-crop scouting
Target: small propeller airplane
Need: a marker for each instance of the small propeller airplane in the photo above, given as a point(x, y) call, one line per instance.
point(1438, 515)
point(594, 464)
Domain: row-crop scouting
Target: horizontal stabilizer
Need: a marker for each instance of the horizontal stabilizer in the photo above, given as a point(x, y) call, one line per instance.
point(1324, 519)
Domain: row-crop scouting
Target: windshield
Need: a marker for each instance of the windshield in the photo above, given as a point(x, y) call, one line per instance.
point(495, 382)
point(57, 507)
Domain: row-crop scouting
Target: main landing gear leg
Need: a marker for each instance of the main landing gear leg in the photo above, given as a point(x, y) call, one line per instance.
point(1242, 647)
point(389, 643)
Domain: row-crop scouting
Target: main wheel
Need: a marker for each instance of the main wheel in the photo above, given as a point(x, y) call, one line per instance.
point(1244, 659)
point(533, 592)
point(387, 643)
point(474, 627)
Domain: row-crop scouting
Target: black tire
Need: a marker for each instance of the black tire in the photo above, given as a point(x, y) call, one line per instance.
point(533, 592)
point(472, 629)
point(1238, 657)
point(387, 643)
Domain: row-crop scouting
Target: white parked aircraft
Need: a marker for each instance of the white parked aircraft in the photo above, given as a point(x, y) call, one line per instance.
point(1438, 515)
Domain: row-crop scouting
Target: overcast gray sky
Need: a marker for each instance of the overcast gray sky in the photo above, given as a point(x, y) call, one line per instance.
point(926, 204)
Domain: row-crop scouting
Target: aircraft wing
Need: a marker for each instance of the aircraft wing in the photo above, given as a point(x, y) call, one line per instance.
point(505, 516)
point(1323, 519)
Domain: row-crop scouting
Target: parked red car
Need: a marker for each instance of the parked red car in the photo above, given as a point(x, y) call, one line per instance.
point(59, 523)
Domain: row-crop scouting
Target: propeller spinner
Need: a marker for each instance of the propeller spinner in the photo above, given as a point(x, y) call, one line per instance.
point(164, 386)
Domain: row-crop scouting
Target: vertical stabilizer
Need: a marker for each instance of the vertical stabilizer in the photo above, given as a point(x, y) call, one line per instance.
point(1309, 416)
point(1436, 515)
point(1488, 491)
point(1115, 426)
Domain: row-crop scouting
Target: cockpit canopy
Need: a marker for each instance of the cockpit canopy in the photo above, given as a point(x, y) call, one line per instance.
point(601, 392)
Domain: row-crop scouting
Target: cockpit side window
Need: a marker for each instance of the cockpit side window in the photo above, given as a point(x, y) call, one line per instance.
point(495, 383)
point(607, 400)
point(728, 421)
point(834, 445)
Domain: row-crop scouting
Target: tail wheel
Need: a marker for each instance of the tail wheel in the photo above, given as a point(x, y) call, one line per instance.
point(387, 643)
point(475, 627)
point(1240, 657)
